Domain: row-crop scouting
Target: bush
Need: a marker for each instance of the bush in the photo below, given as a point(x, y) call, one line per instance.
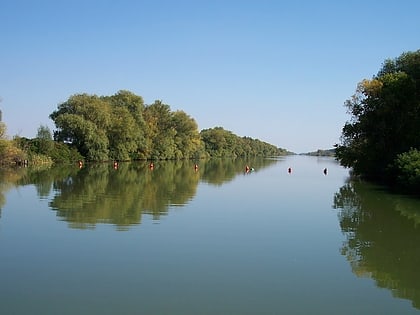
point(407, 170)
point(64, 154)
point(10, 154)
point(40, 160)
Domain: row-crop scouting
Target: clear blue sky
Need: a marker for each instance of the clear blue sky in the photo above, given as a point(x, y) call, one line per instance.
point(279, 71)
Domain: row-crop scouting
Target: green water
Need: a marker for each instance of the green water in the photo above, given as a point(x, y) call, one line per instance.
point(174, 240)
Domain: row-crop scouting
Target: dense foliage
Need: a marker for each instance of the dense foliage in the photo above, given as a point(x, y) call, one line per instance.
point(122, 127)
point(319, 152)
point(407, 169)
point(385, 124)
point(35, 153)
point(219, 142)
point(9, 153)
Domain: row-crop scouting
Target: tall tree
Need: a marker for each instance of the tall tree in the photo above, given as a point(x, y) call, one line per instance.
point(219, 142)
point(215, 141)
point(83, 121)
point(385, 118)
point(187, 137)
point(122, 134)
point(44, 141)
point(160, 131)
point(122, 127)
point(135, 106)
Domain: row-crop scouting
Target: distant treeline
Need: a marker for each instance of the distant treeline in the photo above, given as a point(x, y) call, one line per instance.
point(121, 127)
point(319, 152)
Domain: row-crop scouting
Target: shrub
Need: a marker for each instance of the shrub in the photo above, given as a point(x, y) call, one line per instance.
point(407, 170)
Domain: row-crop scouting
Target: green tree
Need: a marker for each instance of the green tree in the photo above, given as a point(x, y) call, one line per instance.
point(187, 137)
point(89, 140)
point(44, 133)
point(385, 119)
point(64, 153)
point(122, 127)
point(83, 121)
point(121, 102)
point(160, 131)
point(215, 141)
point(219, 142)
point(122, 134)
point(43, 140)
point(407, 169)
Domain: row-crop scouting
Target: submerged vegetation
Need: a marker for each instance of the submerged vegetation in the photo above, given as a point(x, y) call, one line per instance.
point(122, 128)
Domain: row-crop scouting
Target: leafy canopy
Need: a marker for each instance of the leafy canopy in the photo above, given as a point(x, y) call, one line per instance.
point(122, 127)
point(385, 119)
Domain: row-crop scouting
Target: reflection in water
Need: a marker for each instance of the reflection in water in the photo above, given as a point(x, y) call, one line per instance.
point(44, 179)
point(220, 171)
point(102, 193)
point(9, 178)
point(382, 237)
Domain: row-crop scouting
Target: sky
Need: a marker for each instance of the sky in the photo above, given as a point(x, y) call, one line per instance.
point(273, 70)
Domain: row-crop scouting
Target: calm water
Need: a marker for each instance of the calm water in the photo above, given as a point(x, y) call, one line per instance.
point(217, 241)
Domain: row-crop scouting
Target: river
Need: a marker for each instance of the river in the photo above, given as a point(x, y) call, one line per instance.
point(283, 238)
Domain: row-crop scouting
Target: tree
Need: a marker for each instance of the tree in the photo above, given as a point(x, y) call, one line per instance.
point(385, 119)
point(83, 121)
point(219, 142)
point(122, 127)
point(126, 100)
point(407, 169)
point(187, 137)
point(9, 152)
point(122, 134)
point(89, 140)
point(215, 141)
point(43, 141)
point(44, 133)
point(160, 131)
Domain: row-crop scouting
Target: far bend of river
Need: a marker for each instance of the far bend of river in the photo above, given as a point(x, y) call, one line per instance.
point(173, 240)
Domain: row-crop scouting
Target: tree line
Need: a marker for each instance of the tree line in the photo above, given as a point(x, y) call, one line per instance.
point(381, 142)
point(121, 127)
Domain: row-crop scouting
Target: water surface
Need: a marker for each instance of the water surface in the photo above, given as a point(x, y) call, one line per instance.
point(173, 240)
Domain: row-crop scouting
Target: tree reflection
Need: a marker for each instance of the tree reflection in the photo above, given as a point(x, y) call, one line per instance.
point(103, 193)
point(9, 178)
point(219, 171)
point(382, 237)
point(43, 179)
